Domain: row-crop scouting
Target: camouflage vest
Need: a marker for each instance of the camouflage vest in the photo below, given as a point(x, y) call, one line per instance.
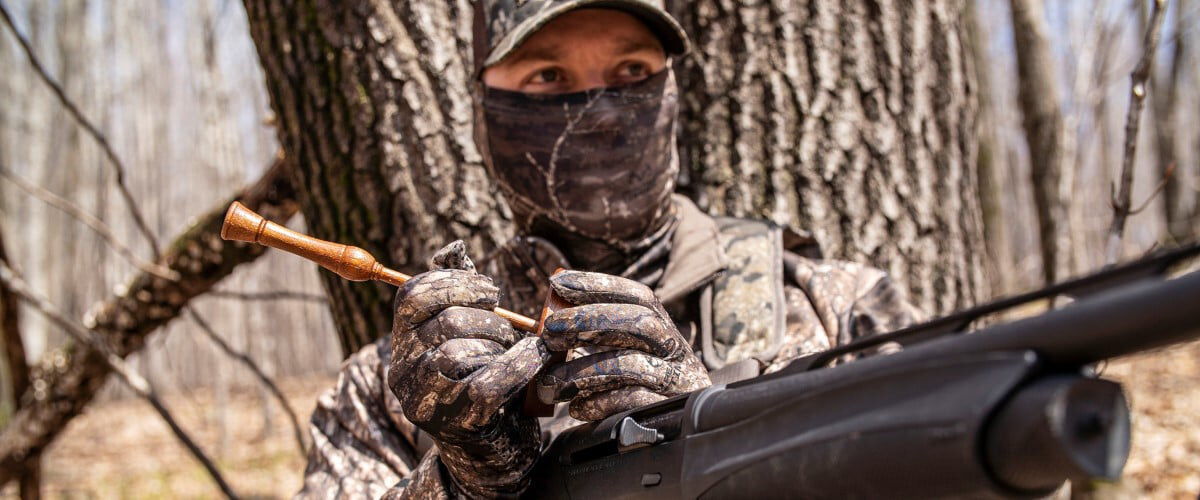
point(743, 310)
point(723, 283)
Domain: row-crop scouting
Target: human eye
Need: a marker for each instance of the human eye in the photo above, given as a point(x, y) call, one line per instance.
point(633, 71)
point(548, 75)
point(545, 80)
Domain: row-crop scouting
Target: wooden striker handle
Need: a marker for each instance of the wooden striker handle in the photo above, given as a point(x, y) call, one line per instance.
point(534, 407)
point(356, 264)
point(350, 262)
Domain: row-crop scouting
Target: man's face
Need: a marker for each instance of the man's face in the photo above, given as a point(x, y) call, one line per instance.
point(580, 50)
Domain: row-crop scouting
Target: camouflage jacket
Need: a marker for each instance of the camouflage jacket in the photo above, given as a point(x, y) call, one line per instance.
point(740, 289)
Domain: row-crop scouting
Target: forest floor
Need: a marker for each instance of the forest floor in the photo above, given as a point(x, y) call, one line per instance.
point(120, 449)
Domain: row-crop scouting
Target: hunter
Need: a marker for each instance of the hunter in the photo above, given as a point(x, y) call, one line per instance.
point(575, 113)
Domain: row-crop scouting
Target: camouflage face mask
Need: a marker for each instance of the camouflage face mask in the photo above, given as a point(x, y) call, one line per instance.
point(598, 165)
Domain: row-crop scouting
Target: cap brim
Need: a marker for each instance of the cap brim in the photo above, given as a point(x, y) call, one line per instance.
point(670, 33)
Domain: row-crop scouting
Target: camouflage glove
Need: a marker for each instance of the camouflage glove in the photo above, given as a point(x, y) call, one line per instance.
point(459, 371)
point(648, 361)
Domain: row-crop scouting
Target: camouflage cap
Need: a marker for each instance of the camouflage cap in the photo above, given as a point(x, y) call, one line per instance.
point(505, 24)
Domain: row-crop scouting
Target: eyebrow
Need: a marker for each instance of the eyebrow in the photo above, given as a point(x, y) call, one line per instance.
point(544, 53)
point(633, 45)
point(552, 53)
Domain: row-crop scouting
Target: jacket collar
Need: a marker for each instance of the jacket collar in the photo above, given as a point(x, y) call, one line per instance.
point(696, 254)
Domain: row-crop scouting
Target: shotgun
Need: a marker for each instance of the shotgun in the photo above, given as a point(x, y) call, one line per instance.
point(1011, 410)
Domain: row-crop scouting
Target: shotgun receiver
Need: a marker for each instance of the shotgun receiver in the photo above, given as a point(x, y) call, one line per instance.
point(1011, 410)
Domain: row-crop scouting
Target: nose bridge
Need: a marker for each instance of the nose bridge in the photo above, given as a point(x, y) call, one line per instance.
point(594, 77)
point(590, 64)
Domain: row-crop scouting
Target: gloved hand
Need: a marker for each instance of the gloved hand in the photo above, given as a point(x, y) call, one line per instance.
point(459, 371)
point(651, 360)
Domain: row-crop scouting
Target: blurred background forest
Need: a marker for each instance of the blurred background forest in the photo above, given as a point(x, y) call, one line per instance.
point(177, 89)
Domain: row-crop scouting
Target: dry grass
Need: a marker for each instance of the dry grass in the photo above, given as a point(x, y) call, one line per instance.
point(121, 450)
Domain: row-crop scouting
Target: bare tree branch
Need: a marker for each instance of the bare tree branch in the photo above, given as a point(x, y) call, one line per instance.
point(98, 226)
point(269, 296)
point(115, 364)
point(126, 321)
point(1137, 101)
point(118, 166)
point(262, 377)
point(1168, 175)
point(106, 233)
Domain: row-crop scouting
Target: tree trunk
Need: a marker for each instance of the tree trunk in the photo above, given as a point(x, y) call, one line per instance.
point(1043, 122)
point(989, 165)
point(14, 374)
point(15, 367)
point(855, 122)
point(1166, 101)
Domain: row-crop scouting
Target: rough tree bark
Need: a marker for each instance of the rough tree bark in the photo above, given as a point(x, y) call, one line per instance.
point(68, 378)
point(1043, 122)
point(854, 121)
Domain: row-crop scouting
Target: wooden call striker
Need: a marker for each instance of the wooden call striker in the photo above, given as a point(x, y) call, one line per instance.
point(534, 407)
point(356, 264)
point(350, 262)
